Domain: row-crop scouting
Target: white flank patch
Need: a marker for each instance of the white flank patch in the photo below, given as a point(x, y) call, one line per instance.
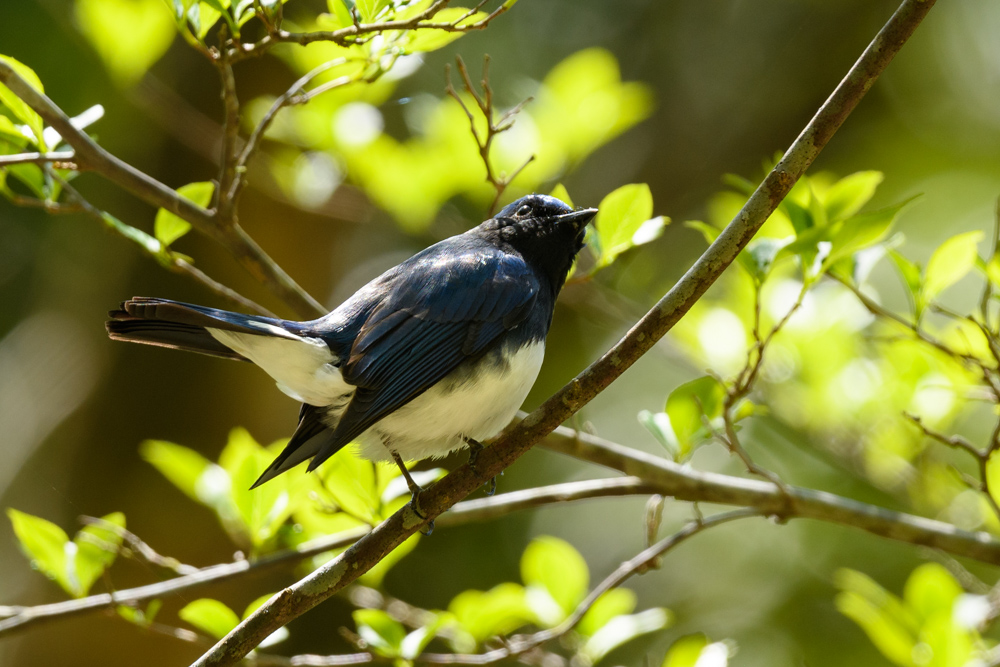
point(301, 367)
point(432, 425)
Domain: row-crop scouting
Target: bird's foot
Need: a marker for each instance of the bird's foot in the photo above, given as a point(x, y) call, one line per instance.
point(475, 449)
point(414, 493)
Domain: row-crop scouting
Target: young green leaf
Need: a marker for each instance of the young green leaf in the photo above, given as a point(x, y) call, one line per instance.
point(431, 40)
point(686, 651)
point(620, 630)
point(184, 467)
point(210, 616)
point(169, 227)
point(616, 602)
point(558, 568)
point(382, 632)
point(949, 264)
point(414, 643)
point(17, 106)
point(45, 544)
point(931, 590)
point(129, 35)
point(619, 217)
point(708, 231)
point(658, 423)
point(498, 611)
point(912, 278)
point(560, 193)
point(688, 404)
point(96, 549)
point(862, 231)
point(849, 194)
point(759, 256)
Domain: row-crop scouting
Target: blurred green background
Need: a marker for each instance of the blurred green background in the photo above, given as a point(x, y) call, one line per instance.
point(732, 81)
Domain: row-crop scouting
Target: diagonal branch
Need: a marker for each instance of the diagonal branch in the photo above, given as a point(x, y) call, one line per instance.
point(515, 441)
point(90, 156)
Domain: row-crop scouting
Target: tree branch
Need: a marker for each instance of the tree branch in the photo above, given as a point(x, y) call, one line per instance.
point(36, 158)
point(89, 155)
point(469, 511)
point(515, 441)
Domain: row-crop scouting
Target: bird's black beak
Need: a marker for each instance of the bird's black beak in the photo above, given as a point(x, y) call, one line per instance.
point(577, 219)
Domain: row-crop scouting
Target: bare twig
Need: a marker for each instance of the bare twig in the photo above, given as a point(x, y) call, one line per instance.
point(140, 548)
point(493, 127)
point(352, 34)
point(289, 97)
point(515, 441)
point(154, 248)
point(225, 205)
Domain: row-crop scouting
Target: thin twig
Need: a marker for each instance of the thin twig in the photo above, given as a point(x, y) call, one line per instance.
point(225, 205)
point(518, 645)
point(89, 155)
point(62, 159)
point(466, 512)
point(484, 102)
point(139, 547)
point(154, 249)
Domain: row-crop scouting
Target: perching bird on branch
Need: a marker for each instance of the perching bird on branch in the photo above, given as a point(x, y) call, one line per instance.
point(436, 354)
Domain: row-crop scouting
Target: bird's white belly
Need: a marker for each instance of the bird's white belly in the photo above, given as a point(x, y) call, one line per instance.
point(475, 403)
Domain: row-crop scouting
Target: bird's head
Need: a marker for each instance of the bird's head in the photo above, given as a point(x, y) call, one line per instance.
point(545, 231)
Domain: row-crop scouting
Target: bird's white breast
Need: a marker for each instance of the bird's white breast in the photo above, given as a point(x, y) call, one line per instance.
point(475, 401)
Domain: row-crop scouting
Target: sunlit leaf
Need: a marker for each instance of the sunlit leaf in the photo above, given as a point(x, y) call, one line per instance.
point(862, 231)
point(556, 566)
point(45, 544)
point(849, 194)
point(382, 632)
point(708, 231)
point(614, 603)
point(184, 467)
point(883, 617)
point(129, 35)
point(425, 39)
point(689, 404)
point(141, 617)
point(619, 217)
point(498, 611)
point(352, 483)
point(658, 423)
point(210, 616)
point(20, 109)
point(912, 277)
point(950, 262)
point(622, 629)
point(560, 193)
point(686, 651)
point(415, 642)
point(759, 256)
point(96, 549)
point(931, 589)
point(168, 227)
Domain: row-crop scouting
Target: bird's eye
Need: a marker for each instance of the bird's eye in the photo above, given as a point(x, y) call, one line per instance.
point(524, 211)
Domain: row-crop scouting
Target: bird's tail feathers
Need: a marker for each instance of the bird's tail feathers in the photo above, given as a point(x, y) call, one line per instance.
point(184, 326)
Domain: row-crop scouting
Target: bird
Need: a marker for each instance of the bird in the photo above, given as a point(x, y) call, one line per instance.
point(436, 354)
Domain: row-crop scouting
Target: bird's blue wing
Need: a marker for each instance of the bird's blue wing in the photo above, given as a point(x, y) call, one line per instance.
point(447, 307)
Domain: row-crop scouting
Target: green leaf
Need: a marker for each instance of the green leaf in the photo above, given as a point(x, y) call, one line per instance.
point(142, 618)
point(425, 39)
point(949, 264)
point(97, 548)
point(210, 616)
point(614, 603)
point(863, 231)
point(658, 423)
point(17, 106)
point(887, 622)
point(414, 643)
point(370, 9)
point(686, 651)
point(129, 35)
point(708, 231)
point(560, 193)
point(558, 568)
point(182, 466)
point(619, 217)
point(352, 482)
point(686, 406)
point(382, 632)
point(911, 274)
point(620, 630)
point(759, 256)
point(45, 544)
point(931, 590)
point(498, 611)
point(12, 140)
point(849, 194)
point(169, 227)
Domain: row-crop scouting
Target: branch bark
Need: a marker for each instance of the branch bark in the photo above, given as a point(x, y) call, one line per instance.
point(90, 156)
point(338, 573)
